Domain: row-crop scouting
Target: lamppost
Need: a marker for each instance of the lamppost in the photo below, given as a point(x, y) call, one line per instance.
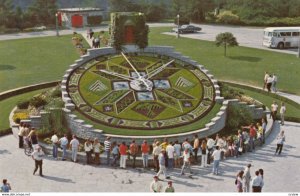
point(56, 23)
point(299, 45)
point(178, 16)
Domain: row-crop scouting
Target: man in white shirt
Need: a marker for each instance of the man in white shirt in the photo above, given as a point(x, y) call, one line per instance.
point(265, 80)
point(282, 112)
point(247, 178)
point(217, 156)
point(156, 151)
point(54, 140)
point(186, 161)
point(210, 145)
point(155, 185)
point(63, 144)
point(257, 182)
point(274, 108)
point(38, 156)
point(269, 83)
point(170, 152)
point(274, 82)
point(74, 145)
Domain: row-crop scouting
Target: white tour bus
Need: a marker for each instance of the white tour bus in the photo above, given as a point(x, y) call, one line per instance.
point(281, 37)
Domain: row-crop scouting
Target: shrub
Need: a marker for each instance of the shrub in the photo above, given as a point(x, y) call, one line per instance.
point(182, 21)
point(227, 17)
point(238, 115)
point(17, 117)
point(56, 92)
point(38, 101)
point(23, 104)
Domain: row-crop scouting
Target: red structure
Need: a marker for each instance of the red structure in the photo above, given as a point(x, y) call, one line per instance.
point(77, 20)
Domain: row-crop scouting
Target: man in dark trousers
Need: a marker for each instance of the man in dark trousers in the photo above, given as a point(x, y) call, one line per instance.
point(38, 156)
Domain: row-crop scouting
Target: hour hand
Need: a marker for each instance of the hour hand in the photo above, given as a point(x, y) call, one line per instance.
point(158, 70)
point(117, 74)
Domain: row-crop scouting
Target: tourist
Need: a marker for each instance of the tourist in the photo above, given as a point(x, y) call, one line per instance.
point(282, 112)
point(261, 175)
point(269, 83)
point(87, 33)
point(186, 161)
point(240, 142)
point(145, 153)
point(162, 164)
point(88, 148)
point(247, 178)
point(163, 146)
point(217, 156)
point(252, 135)
point(274, 83)
point(210, 144)
point(54, 140)
point(186, 145)
point(196, 147)
point(155, 185)
point(245, 141)
point(33, 138)
point(170, 153)
point(231, 147)
point(26, 129)
point(64, 144)
point(266, 76)
point(259, 133)
point(203, 153)
point(239, 181)
point(38, 155)
point(169, 188)
point(97, 147)
point(107, 149)
point(91, 32)
point(21, 135)
point(280, 140)
point(74, 145)
point(123, 153)
point(5, 188)
point(257, 182)
point(274, 108)
point(220, 142)
point(177, 154)
point(264, 127)
point(156, 152)
point(133, 150)
point(115, 153)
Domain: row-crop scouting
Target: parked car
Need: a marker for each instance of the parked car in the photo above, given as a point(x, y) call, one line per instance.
point(39, 28)
point(187, 29)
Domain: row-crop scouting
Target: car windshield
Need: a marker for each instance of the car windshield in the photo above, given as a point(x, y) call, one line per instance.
point(184, 26)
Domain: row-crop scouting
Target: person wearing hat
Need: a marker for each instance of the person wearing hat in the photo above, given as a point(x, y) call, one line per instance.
point(247, 178)
point(155, 185)
point(169, 188)
point(37, 156)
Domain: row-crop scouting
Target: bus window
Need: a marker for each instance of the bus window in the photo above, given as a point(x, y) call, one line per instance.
point(269, 34)
point(288, 34)
point(275, 34)
point(283, 34)
point(295, 34)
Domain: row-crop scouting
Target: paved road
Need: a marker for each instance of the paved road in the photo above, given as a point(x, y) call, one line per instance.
point(282, 173)
point(246, 36)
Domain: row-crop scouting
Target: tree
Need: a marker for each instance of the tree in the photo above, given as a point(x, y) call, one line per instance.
point(6, 12)
point(226, 39)
point(43, 12)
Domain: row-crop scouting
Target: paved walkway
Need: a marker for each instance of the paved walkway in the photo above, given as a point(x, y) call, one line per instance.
point(72, 177)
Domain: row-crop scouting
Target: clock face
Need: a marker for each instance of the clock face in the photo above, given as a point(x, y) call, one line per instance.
point(140, 91)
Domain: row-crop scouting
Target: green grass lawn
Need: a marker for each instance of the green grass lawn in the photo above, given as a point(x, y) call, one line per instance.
point(7, 105)
point(242, 64)
point(35, 60)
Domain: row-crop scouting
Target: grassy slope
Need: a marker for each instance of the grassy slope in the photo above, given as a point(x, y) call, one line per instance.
point(7, 105)
point(244, 65)
point(30, 61)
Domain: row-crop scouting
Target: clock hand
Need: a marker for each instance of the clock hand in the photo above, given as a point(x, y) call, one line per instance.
point(158, 70)
point(117, 74)
point(131, 65)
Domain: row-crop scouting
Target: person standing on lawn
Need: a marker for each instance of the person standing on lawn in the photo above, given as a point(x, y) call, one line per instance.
point(282, 113)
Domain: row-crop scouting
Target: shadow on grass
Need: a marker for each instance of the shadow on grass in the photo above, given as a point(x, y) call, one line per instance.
point(245, 58)
point(6, 67)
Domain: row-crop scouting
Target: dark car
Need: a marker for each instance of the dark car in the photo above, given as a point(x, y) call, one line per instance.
point(187, 29)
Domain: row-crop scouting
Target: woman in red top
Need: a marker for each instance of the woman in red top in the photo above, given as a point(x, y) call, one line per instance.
point(123, 153)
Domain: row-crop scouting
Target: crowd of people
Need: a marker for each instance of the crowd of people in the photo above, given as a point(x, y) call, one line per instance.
point(96, 40)
point(167, 155)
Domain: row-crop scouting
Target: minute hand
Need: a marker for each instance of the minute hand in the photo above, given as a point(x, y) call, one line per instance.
point(158, 70)
point(117, 74)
